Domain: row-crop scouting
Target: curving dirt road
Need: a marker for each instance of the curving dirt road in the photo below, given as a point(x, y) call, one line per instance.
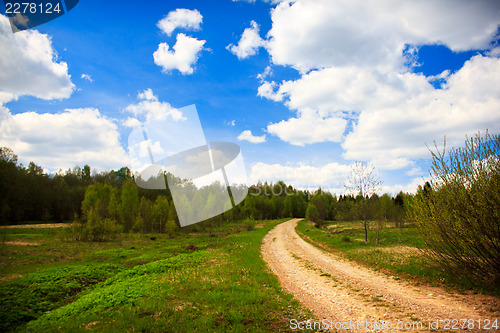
point(359, 299)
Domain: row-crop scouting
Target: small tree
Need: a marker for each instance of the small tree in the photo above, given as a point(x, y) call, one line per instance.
point(160, 214)
point(171, 228)
point(312, 214)
point(95, 228)
point(129, 204)
point(364, 181)
point(458, 212)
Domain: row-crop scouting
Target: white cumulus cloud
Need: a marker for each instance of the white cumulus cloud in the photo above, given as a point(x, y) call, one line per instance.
point(183, 55)
point(267, 90)
point(309, 127)
point(329, 177)
point(248, 136)
point(316, 34)
point(150, 108)
point(29, 65)
point(87, 77)
point(411, 187)
point(356, 62)
point(63, 140)
point(180, 18)
point(249, 43)
point(147, 95)
point(391, 136)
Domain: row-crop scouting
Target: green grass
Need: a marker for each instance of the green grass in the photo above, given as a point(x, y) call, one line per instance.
point(31, 296)
point(397, 251)
point(200, 282)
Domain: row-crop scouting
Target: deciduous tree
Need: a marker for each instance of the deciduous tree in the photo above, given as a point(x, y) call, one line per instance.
point(364, 181)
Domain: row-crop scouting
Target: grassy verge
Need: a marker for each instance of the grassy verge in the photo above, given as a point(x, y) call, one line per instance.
point(397, 251)
point(196, 282)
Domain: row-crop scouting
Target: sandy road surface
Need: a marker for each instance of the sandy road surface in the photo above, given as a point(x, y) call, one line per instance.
point(340, 290)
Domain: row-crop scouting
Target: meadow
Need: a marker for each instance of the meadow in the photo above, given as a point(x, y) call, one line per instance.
point(200, 281)
point(206, 281)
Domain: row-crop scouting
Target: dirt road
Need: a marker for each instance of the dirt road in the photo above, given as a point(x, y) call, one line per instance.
point(363, 300)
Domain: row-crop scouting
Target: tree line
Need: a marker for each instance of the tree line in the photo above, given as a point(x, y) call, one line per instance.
point(29, 194)
point(107, 210)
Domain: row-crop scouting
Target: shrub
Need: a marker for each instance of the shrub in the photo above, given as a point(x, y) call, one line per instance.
point(95, 228)
point(171, 228)
point(312, 213)
point(249, 224)
point(458, 212)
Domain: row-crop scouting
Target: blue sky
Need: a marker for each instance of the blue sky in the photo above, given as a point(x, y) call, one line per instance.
point(305, 88)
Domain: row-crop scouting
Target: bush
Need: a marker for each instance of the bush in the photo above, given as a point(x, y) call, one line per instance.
point(458, 212)
point(95, 228)
point(171, 228)
point(312, 213)
point(249, 224)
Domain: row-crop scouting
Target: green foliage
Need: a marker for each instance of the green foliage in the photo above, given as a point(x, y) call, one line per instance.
point(129, 204)
point(99, 197)
point(27, 194)
point(124, 289)
point(312, 214)
point(346, 239)
point(95, 228)
point(459, 211)
point(320, 202)
point(249, 224)
point(114, 197)
point(160, 214)
point(138, 224)
point(171, 228)
point(28, 298)
point(146, 213)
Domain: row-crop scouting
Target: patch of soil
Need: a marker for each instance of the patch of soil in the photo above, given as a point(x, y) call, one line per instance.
point(191, 247)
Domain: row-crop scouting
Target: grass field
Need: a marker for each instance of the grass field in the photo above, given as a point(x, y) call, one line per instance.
point(397, 251)
point(146, 283)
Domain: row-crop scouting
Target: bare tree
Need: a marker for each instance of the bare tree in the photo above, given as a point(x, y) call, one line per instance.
point(363, 180)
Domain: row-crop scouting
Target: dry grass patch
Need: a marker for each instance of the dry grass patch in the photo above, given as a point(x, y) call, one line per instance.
point(22, 243)
point(37, 226)
point(9, 277)
point(398, 250)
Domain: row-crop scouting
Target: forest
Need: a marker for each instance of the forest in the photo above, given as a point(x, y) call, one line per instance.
point(111, 198)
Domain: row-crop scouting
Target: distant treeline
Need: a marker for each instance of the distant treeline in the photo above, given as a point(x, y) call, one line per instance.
point(29, 194)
